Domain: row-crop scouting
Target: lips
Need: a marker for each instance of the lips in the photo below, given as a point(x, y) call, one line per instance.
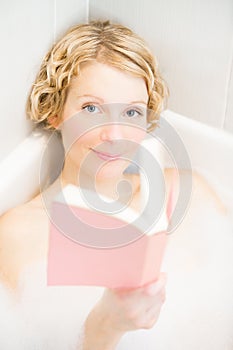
point(106, 156)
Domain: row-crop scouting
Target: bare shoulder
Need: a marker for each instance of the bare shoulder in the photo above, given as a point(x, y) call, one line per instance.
point(200, 187)
point(209, 193)
point(23, 238)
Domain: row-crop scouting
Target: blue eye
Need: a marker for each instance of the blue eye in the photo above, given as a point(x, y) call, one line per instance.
point(91, 108)
point(133, 113)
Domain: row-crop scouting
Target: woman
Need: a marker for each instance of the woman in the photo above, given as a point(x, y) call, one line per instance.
point(92, 67)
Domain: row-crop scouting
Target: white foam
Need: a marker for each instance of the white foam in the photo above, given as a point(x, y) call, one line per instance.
point(197, 314)
point(46, 318)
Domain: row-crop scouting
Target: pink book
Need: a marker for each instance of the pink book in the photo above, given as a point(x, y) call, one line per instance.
point(89, 247)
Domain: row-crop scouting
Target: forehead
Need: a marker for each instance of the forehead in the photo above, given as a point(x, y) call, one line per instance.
point(109, 83)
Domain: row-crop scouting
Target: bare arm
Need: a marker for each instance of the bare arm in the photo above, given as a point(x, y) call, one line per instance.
point(98, 334)
point(21, 243)
point(120, 311)
point(199, 184)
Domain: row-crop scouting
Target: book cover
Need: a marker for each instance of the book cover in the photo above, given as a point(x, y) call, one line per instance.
point(88, 247)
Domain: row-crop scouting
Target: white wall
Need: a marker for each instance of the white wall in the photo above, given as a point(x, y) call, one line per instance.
point(193, 40)
point(228, 125)
point(27, 29)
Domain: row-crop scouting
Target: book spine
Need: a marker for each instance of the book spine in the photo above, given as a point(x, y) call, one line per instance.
point(154, 253)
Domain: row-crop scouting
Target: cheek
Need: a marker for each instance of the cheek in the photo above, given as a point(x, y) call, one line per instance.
point(84, 142)
point(80, 149)
point(76, 135)
point(133, 137)
point(135, 134)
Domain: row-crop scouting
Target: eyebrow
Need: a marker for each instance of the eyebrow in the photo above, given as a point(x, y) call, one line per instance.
point(100, 99)
point(91, 96)
point(143, 102)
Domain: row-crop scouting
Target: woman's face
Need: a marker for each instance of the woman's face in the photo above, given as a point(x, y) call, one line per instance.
point(104, 119)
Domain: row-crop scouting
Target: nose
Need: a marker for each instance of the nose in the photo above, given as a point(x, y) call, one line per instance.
point(112, 132)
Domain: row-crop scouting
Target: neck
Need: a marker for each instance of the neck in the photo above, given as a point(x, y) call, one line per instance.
point(107, 186)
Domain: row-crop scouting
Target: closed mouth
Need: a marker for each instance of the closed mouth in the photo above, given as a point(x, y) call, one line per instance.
point(103, 154)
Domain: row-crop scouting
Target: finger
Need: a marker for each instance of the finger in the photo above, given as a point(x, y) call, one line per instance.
point(154, 288)
point(157, 304)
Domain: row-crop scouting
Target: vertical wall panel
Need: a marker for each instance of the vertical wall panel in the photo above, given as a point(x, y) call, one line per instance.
point(192, 40)
point(69, 13)
point(27, 30)
point(228, 122)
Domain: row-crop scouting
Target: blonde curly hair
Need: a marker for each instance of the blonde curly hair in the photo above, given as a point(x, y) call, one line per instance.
point(113, 44)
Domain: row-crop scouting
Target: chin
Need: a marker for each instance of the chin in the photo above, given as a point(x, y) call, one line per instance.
point(112, 169)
